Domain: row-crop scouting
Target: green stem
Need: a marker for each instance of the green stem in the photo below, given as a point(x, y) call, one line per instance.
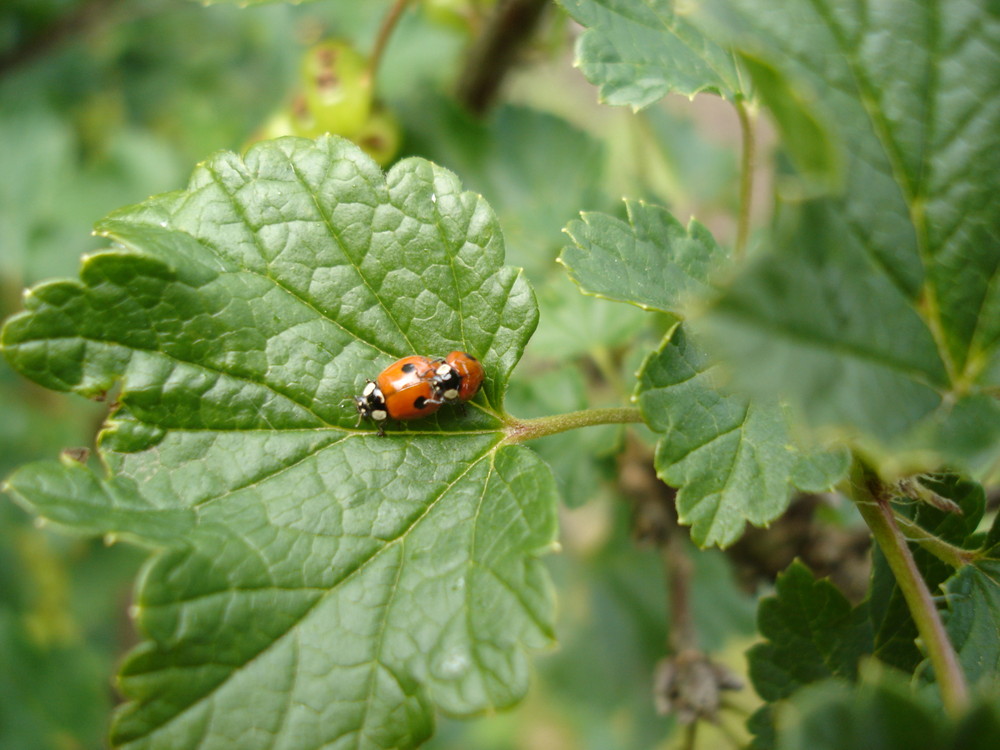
point(747, 161)
point(521, 430)
point(872, 501)
point(947, 553)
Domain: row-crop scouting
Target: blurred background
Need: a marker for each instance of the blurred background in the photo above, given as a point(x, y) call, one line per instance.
point(104, 102)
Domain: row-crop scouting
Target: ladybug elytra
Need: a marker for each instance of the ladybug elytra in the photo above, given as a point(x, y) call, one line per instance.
point(416, 386)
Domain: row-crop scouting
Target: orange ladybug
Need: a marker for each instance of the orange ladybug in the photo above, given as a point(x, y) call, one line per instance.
point(403, 390)
point(457, 377)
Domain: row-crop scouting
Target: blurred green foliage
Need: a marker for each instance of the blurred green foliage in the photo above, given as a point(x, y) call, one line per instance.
point(104, 102)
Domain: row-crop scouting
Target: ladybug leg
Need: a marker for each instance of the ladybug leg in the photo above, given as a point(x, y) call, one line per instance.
point(381, 429)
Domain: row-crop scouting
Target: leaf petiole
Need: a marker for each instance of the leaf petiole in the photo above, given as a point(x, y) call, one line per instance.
point(522, 430)
point(947, 553)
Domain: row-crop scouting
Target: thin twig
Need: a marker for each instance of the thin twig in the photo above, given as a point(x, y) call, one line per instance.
point(747, 163)
point(384, 32)
point(494, 52)
point(679, 570)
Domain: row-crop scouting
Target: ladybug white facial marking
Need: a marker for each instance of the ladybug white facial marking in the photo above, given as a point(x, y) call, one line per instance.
point(371, 403)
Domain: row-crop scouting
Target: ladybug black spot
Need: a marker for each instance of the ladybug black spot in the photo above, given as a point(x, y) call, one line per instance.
point(420, 402)
point(409, 367)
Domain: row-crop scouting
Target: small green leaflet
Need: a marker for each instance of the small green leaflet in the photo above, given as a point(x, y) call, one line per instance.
point(627, 262)
point(879, 309)
point(812, 633)
point(310, 582)
point(729, 458)
point(638, 51)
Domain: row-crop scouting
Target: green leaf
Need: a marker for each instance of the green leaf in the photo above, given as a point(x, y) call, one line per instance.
point(973, 620)
point(761, 725)
point(638, 51)
point(310, 579)
point(882, 713)
point(812, 633)
point(729, 458)
point(820, 470)
point(913, 242)
point(879, 715)
point(651, 261)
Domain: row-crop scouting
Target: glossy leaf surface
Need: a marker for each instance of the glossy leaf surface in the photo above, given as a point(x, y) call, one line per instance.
point(879, 310)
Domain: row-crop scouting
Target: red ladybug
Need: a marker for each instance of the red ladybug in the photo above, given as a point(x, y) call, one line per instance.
point(457, 377)
point(403, 390)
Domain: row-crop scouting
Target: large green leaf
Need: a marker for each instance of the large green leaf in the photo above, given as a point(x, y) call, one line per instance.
point(638, 51)
point(310, 580)
point(879, 310)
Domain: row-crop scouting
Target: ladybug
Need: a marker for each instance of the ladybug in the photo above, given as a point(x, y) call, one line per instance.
point(457, 377)
point(403, 390)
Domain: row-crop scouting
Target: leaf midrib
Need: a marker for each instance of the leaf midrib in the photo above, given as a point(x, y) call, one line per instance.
point(913, 195)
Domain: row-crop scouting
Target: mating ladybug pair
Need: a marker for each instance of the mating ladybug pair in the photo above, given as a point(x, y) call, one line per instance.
point(416, 386)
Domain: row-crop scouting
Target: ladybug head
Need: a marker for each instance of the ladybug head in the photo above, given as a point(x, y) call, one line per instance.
point(371, 404)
